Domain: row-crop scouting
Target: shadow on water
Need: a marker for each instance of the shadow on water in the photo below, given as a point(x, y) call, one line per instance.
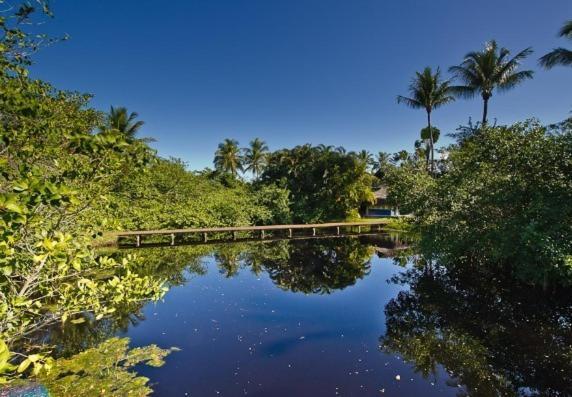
point(485, 333)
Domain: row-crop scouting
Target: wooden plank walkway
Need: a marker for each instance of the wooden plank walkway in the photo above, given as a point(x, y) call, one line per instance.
point(233, 230)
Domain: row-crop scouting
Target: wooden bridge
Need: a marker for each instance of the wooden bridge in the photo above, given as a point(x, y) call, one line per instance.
point(261, 232)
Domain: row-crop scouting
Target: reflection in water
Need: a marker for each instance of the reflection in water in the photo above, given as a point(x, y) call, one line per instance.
point(480, 331)
point(495, 337)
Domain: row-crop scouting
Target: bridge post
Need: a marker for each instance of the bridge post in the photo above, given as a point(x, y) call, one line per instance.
point(359, 229)
point(338, 230)
point(262, 234)
point(205, 237)
point(290, 233)
point(172, 238)
point(234, 235)
point(138, 241)
point(313, 231)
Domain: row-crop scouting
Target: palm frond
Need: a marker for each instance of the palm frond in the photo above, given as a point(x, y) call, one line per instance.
point(558, 56)
point(463, 91)
point(463, 73)
point(412, 103)
point(566, 30)
point(515, 79)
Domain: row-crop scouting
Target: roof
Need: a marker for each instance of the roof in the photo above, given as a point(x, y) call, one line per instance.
point(381, 193)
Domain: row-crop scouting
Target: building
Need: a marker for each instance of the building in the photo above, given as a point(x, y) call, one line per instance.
point(381, 208)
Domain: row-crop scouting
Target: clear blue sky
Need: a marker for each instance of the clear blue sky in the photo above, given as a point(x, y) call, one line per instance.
point(294, 71)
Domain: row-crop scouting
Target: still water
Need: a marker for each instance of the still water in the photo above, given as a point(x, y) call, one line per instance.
point(352, 316)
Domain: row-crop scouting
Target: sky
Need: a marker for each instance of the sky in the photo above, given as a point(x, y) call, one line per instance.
point(295, 71)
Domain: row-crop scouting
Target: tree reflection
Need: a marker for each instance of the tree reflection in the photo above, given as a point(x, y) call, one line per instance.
point(317, 266)
point(495, 337)
point(173, 266)
point(313, 266)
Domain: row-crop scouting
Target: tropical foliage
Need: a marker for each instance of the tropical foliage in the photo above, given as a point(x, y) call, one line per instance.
point(324, 184)
point(483, 72)
point(428, 92)
point(105, 369)
point(559, 56)
point(121, 120)
point(228, 158)
point(255, 157)
point(503, 198)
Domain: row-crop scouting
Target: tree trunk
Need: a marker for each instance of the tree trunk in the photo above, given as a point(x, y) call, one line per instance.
point(432, 167)
point(485, 109)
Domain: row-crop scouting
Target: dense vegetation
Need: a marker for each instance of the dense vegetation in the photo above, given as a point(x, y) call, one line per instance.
point(500, 198)
point(503, 197)
point(69, 172)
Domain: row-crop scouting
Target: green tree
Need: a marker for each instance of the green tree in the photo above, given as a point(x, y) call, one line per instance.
point(381, 165)
point(426, 135)
point(504, 201)
point(481, 72)
point(559, 56)
point(121, 120)
point(366, 157)
point(228, 158)
point(324, 184)
point(255, 156)
point(428, 91)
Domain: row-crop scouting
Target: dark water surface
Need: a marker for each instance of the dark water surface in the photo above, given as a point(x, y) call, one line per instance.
point(348, 316)
point(256, 333)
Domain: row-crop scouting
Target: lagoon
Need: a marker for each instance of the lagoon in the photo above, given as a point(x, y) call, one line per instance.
point(349, 316)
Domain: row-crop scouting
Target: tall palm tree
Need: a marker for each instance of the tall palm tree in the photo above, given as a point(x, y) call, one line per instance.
point(123, 121)
point(484, 71)
point(255, 156)
point(428, 91)
point(227, 157)
point(559, 56)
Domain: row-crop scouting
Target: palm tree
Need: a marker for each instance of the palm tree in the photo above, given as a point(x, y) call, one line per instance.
point(365, 157)
point(484, 71)
point(227, 157)
point(428, 91)
point(121, 120)
point(559, 56)
point(381, 164)
point(426, 135)
point(255, 156)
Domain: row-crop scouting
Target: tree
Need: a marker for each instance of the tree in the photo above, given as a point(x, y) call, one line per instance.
point(484, 71)
point(505, 202)
point(324, 184)
point(559, 56)
point(428, 91)
point(227, 157)
point(382, 165)
point(255, 156)
point(426, 135)
point(365, 157)
point(121, 120)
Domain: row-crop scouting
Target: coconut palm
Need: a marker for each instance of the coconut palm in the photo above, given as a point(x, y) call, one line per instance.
point(559, 56)
point(426, 135)
point(365, 157)
point(428, 91)
point(121, 120)
point(381, 164)
point(228, 158)
point(255, 156)
point(481, 72)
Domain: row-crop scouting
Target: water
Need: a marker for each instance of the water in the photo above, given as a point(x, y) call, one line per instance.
point(348, 316)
